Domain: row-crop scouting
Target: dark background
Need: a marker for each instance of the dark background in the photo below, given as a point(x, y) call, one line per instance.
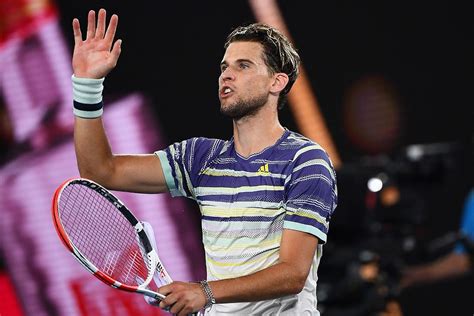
point(171, 52)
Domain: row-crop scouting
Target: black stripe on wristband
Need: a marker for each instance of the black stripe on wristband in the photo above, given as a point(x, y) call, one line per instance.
point(88, 107)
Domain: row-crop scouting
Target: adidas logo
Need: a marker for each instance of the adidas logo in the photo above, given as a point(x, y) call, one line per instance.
point(263, 169)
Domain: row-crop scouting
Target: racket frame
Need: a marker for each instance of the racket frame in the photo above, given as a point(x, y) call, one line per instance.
point(152, 255)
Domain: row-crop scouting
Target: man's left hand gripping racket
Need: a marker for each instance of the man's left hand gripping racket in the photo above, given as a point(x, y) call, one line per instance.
point(106, 238)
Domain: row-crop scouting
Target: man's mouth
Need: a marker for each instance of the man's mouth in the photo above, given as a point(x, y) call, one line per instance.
point(225, 92)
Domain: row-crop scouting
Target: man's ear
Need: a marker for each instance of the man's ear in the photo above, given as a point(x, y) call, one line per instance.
point(279, 83)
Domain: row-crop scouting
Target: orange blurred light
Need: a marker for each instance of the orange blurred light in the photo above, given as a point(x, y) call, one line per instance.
point(302, 101)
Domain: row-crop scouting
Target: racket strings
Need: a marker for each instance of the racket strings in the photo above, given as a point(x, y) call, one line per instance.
point(103, 235)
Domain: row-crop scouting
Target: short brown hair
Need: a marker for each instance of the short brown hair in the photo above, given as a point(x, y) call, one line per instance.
point(279, 53)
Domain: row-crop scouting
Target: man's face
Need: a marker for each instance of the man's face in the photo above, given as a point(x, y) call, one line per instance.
point(245, 81)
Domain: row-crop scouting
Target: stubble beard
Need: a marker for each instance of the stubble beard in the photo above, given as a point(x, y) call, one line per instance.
point(244, 108)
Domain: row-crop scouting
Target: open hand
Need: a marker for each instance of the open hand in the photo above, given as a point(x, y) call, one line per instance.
point(95, 57)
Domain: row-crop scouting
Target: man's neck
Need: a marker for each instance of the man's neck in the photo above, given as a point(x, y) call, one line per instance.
point(254, 134)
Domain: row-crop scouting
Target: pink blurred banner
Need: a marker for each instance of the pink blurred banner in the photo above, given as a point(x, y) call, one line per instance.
point(36, 90)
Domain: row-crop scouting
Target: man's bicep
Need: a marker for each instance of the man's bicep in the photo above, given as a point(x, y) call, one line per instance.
point(138, 173)
point(298, 249)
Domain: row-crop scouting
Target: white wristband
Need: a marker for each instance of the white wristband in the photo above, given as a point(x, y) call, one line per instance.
point(87, 94)
point(87, 90)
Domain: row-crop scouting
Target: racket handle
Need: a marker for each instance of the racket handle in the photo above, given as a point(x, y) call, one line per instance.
point(154, 295)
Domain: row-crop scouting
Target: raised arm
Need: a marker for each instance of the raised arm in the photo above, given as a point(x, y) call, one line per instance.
point(93, 59)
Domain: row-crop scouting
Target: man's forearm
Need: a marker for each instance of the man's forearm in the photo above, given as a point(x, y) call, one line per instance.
point(287, 277)
point(93, 152)
point(279, 280)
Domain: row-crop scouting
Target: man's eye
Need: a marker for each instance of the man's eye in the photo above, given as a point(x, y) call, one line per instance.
point(243, 66)
point(223, 68)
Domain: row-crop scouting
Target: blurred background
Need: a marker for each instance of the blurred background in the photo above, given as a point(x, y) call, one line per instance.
point(386, 88)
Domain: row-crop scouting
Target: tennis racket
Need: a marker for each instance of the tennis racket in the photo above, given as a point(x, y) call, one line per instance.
point(106, 238)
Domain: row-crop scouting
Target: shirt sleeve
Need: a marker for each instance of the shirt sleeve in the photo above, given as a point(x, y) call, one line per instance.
point(182, 162)
point(311, 193)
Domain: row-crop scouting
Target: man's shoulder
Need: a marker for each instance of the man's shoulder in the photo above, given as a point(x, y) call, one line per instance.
point(300, 144)
point(205, 150)
point(196, 147)
point(200, 143)
point(206, 141)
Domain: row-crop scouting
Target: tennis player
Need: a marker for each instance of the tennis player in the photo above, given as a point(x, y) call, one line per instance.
point(266, 196)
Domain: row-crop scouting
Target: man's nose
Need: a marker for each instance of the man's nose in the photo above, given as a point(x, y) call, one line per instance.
point(227, 74)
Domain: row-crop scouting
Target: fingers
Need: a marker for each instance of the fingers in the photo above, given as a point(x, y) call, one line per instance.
point(76, 28)
point(109, 36)
point(174, 304)
point(177, 307)
point(99, 31)
point(181, 297)
point(168, 301)
point(91, 25)
point(166, 289)
point(116, 50)
point(100, 24)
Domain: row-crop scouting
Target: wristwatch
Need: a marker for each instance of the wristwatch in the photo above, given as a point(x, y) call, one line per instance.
point(210, 300)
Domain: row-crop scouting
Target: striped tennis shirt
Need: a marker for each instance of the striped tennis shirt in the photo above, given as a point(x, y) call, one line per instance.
point(246, 203)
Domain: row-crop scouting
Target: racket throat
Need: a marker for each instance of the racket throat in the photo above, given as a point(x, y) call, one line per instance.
point(152, 261)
